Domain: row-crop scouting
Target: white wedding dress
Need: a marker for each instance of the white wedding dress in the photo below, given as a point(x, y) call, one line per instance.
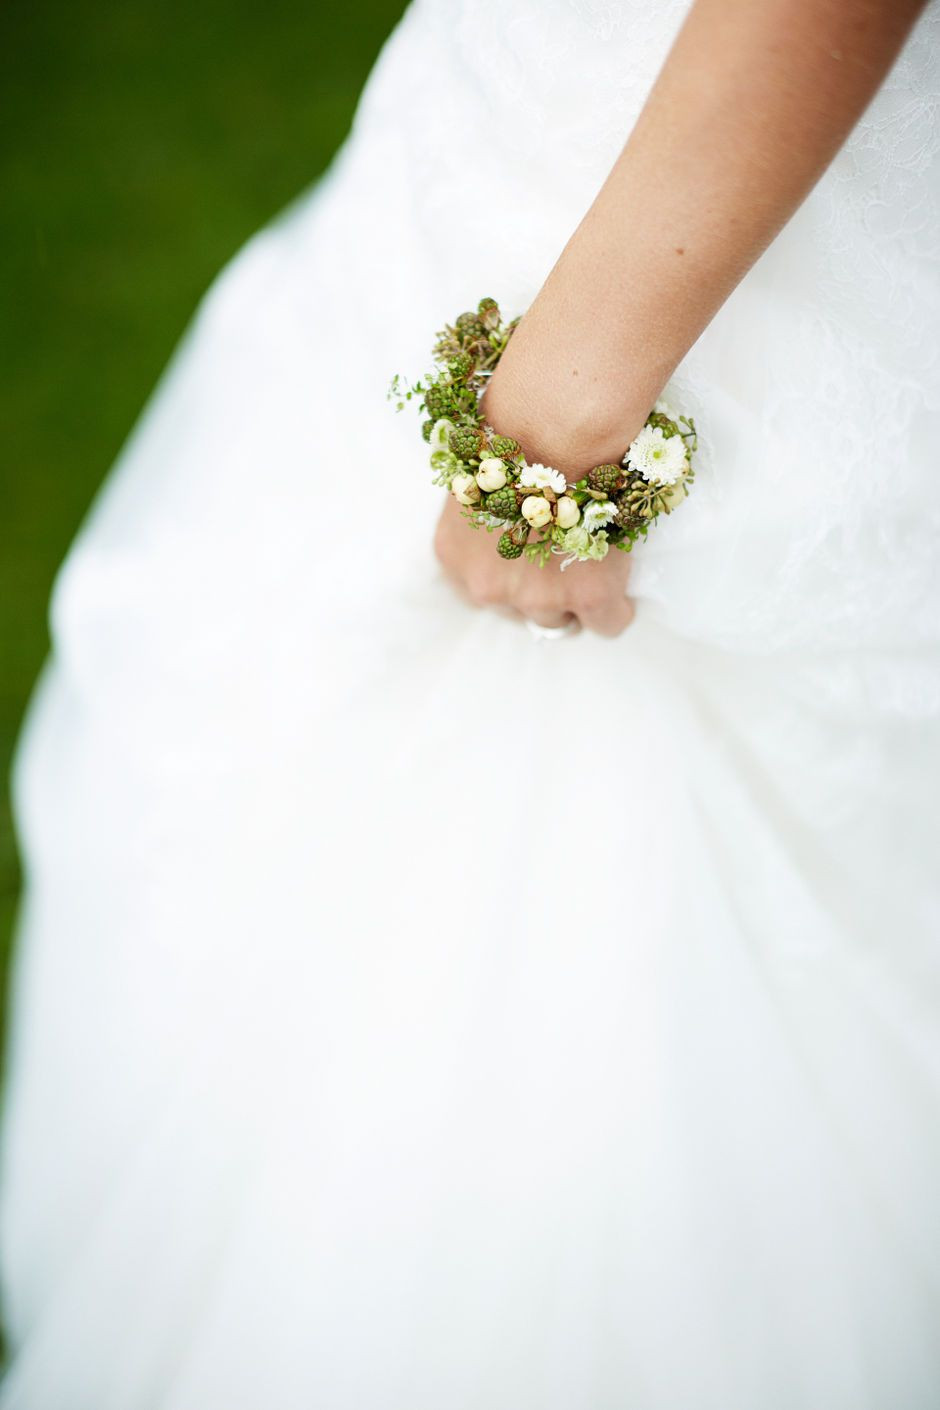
point(411, 1014)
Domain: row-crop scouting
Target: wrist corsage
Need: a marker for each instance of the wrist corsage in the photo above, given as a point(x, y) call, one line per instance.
point(536, 509)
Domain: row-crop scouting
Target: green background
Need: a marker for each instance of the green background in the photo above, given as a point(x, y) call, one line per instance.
point(141, 142)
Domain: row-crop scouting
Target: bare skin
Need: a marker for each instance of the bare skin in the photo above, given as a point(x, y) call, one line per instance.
point(751, 105)
point(593, 594)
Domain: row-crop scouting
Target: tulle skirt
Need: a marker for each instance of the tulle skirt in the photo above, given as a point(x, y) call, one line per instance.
point(410, 1012)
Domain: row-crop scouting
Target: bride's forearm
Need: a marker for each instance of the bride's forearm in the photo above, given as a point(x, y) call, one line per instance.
point(754, 100)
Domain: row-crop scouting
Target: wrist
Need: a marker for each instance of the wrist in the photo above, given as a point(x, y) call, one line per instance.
point(569, 427)
point(575, 385)
point(571, 474)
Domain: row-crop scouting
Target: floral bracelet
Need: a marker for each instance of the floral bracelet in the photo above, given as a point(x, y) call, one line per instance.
point(538, 511)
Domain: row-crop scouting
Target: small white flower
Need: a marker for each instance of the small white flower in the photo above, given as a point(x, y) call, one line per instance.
point(598, 545)
point(440, 434)
point(576, 540)
point(581, 547)
point(536, 510)
point(465, 489)
point(567, 512)
point(543, 477)
point(491, 474)
point(658, 458)
point(597, 513)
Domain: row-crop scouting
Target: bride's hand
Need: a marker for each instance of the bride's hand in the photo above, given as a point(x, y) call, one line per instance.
point(592, 593)
point(561, 426)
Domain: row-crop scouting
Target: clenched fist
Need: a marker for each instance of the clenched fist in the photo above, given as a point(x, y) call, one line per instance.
point(594, 594)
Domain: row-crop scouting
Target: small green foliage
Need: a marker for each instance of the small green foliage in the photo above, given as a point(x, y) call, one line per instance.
point(539, 551)
point(445, 467)
point(400, 391)
point(690, 436)
point(460, 366)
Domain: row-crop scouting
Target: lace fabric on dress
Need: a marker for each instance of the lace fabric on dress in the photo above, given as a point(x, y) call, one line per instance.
point(825, 362)
point(379, 1046)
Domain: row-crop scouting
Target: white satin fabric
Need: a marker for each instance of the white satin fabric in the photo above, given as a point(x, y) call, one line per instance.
point(414, 1014)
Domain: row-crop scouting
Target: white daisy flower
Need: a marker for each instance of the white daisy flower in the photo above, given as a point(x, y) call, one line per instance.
point(543, 477)
point(596, 513)
point(440, 434)
point(656, 457)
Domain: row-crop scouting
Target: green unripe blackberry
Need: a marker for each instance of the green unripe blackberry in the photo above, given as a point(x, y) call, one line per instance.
point(426, 429)
point(665, 423)
point(506, 548)
point(501, 503)
point(505, 447)
point(469, 326)
point(440, 401)
point(466, 442)
point(607, 478)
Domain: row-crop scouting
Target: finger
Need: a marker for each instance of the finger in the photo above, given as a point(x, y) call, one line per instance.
point(544, 617)
point(502, 609)
point(608, 618)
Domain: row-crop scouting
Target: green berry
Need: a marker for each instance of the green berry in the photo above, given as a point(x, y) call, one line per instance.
point(665, 423)
point(637, 503)
point(439, 400)
point(501, 503)
point(627, 518)
point(505, 447)
point(426, 430)
point(466, 442)
point(488, 311)
point(469, 326)
point(506, 548)
point(608, 479)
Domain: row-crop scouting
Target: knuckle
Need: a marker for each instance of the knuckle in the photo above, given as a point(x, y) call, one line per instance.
point(613, 620)
point(592, 596)
point(533, 604)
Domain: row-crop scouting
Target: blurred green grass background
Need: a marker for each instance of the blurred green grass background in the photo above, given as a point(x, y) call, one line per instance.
point(141, 142)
